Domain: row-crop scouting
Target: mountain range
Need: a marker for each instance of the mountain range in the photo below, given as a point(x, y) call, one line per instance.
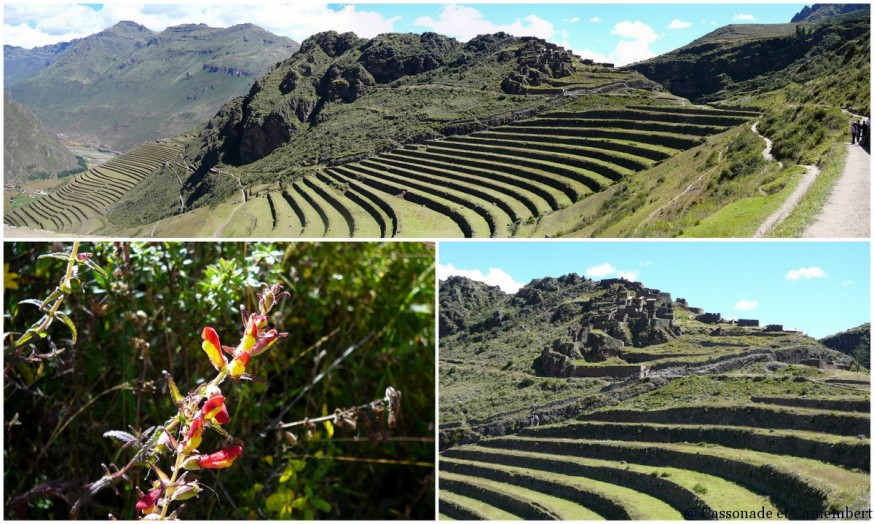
point(128, 84)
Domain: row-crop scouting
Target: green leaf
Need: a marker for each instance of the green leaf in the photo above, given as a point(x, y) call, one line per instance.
point(33, 301)
point(123, 436)
point(66, 320)
point(93, 265)
point(321, 505)
point(60, 256)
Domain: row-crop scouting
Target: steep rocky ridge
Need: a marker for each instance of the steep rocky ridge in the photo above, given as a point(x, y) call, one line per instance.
point(855, 342)
point(739, 60)
point(820, 11)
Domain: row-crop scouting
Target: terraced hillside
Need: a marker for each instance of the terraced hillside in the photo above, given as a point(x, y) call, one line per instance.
point(692, 415)
point(494, 183)
point(74, 206)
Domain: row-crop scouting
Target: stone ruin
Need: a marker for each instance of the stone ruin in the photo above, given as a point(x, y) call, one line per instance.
point(544, 60)
point(626, 314)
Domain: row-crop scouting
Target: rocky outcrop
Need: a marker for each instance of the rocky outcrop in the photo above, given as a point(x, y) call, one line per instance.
point(463, 302)
point(331, 43)
point(390, 59)
point(346, 84)
point(601, 346)
point(539, 61)
point(552, 364)
point(848, 341)
point(821, 11)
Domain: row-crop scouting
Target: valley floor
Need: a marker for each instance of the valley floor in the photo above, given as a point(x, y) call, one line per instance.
point(24, 232)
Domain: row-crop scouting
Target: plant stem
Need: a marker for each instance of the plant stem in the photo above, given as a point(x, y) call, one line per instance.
point(65, 284)
point(179, 459)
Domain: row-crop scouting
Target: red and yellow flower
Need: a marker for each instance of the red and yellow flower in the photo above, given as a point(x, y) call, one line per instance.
point(218, 460)
point(213, 348)
point(238, 365)
point(214, 408)
point(194, 437)
point(149, 501)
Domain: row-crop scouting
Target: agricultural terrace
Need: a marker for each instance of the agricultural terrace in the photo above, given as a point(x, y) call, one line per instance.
point(92, 193)
point(494, 183)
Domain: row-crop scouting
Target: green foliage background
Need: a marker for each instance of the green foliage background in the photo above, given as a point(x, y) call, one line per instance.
point(57, 410)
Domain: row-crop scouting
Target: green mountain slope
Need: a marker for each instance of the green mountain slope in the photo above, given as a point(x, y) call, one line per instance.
point(30, 151)
point(553, 346)
point(736, 61)
point(127, 84)
point(342, 98)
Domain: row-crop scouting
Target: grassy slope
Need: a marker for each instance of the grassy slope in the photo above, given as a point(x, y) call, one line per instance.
point(29, 150)
point(486, 372)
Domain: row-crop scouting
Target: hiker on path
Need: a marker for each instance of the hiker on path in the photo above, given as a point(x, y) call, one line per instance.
point(854, 130)
point(865, 132)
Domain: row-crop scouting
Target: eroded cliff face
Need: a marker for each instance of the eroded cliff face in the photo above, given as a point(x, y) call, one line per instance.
point(330, 67)
point(744, 59)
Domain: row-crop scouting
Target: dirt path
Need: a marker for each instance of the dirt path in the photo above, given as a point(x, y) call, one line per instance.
point(778, 216)
point(847, 212)
point(769, 144)
point(221, 229)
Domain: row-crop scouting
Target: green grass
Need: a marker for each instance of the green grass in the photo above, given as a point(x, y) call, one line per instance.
point(563, 509)
point(727, 390)
point(638, 505)
point(841, 485)
point(743, 217)
point(486, 511)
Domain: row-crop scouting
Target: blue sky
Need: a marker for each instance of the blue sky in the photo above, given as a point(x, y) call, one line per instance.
point(617, 32)
point(818, 287)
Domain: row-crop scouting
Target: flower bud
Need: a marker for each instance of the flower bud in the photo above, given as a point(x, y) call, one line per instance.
point(148, 502)
point(219, 459)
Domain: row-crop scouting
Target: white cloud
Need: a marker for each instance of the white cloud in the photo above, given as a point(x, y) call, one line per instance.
point(746, 305)
point(676, 23)
point(573, 20)
point(29, 25)
point(495, 277)
point(627, 275)
point(465, 23)
point(594, 55)
point(847, 283)
point(601, 270)
point(744, 17)
point(806, 273)
point(595, 20)
point(634, 46)
point(607, 269)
